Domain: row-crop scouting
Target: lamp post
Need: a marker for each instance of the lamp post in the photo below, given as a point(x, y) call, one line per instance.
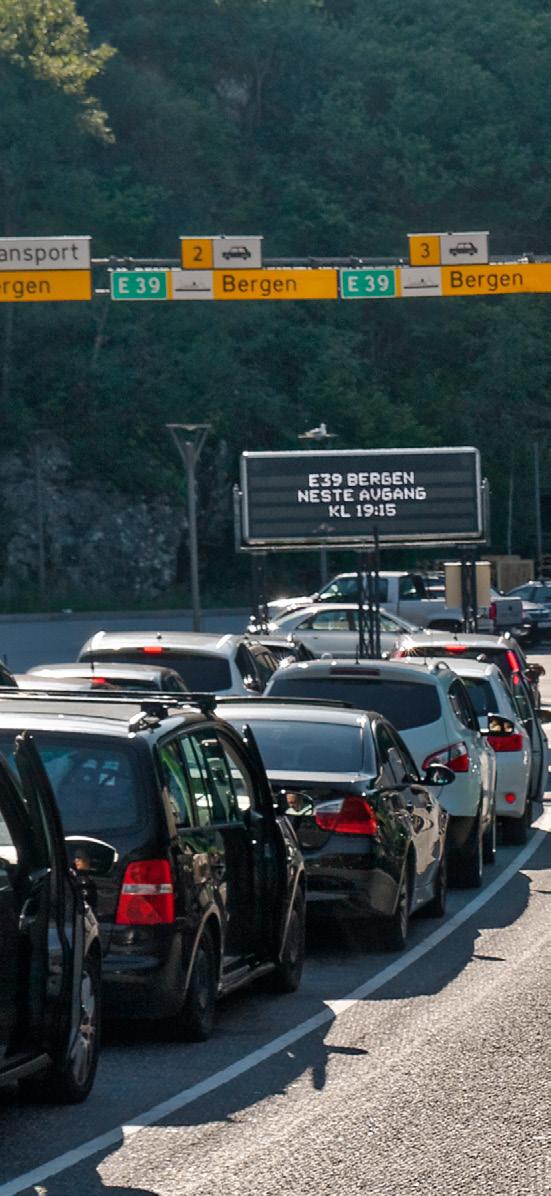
point(314, 436)
point(189, 440)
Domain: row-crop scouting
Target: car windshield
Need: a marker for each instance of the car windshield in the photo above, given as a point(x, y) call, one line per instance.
point(405, 704)
point(299, 746)
point(201, 672)
point(95, 781)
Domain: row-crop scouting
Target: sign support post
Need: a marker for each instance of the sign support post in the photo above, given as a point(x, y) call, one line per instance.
point(189, 447)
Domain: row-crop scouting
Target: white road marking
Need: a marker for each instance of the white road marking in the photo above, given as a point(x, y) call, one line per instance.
point(333, 1009)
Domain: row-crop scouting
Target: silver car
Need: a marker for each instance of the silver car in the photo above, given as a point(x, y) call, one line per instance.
point(334, 628)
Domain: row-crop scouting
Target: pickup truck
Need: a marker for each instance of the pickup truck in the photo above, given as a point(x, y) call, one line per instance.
point(405, 593)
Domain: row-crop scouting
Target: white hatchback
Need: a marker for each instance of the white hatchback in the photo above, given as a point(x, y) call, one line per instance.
point(489, 694)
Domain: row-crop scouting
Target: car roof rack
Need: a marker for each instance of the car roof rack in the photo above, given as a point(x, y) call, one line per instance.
point(157, 706)
point(282, 701)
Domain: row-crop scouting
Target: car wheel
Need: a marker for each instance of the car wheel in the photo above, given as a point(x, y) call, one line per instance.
point(195, 1021)
point(489, 841)
point(516, 829)
point(394, 930)
point(436, 907)
point(286, 975)
point(70, 1080)
point(470, 865)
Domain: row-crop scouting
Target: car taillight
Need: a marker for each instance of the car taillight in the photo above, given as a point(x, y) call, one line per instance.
point(348, 816)
point(512, 660)
point(492, 610)
point(506, 743)
point(399, 654)
point(456, 756)
point(152, 650)
point(147, 894)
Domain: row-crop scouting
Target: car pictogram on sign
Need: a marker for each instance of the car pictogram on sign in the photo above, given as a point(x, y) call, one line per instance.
point(463, 247)
point(236, 251)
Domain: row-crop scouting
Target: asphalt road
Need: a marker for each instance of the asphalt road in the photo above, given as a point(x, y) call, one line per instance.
point(385, 1075)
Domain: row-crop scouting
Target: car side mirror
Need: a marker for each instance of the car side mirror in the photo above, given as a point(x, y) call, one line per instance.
point(254, 684)
point(498, 725)
point(438, 774)
point(92, 857)
point(534, 672)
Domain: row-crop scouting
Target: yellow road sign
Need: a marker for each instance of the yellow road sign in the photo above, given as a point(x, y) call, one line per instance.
point(503, 278)
point(296, 283)
point(196, 253)
point(43, 286)
point(424, 249)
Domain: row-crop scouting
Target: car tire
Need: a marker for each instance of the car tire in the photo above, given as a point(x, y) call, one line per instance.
point(394, 930)
point(195, 1021)
point(69, 1080)
point(436, 907)
point(470, 861)
point(489, 840)
point(287, 973)
point(516, 829)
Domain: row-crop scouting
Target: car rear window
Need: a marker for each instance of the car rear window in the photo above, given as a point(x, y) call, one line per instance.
point(405, 704)
point(95, 781)
point(201, 672)
point(312, 747)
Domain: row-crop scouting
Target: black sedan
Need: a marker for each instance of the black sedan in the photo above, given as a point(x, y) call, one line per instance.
point(50, 958)
point(372, 835)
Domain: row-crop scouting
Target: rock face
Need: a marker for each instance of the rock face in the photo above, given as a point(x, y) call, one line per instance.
point(95, 538)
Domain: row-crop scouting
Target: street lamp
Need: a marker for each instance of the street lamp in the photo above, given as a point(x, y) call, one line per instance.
point(314, 436)
point(189, 440)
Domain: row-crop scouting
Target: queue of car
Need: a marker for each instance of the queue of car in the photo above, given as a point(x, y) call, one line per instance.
point(202, 793)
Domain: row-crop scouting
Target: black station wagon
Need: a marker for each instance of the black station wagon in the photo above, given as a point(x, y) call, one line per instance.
point(208, 889)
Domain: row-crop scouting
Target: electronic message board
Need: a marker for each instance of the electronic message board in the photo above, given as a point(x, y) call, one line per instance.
point(345, 497)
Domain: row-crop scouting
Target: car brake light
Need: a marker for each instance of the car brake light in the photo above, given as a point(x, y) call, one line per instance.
point(152, 650)
point(456, 756)
point(510, 798)
point(147, 894)
point(399, 654)
point(351, 815)
point(98, 681)
point(455, 649)
point(512, 660)
point(506, 743)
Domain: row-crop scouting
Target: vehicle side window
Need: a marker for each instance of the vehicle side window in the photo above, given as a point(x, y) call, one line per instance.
point(407, 762)
point(407, 587)
point(521, 702)
point(198, 779)
point(462, 706)
point(330, 620)
point(246, 665)
point(386, 748)
point(8, 850)
point(176, 783)
point(225, 805)
point(242, 782)
point(265, 664)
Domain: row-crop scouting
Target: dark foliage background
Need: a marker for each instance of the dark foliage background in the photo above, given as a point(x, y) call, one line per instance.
point(332, 127)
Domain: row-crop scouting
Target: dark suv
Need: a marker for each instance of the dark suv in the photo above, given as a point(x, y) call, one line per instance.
point(207, 892)
point(50, 957)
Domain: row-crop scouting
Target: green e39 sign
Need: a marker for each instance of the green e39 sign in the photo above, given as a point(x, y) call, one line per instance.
point(139, 284)
point(368, 284)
